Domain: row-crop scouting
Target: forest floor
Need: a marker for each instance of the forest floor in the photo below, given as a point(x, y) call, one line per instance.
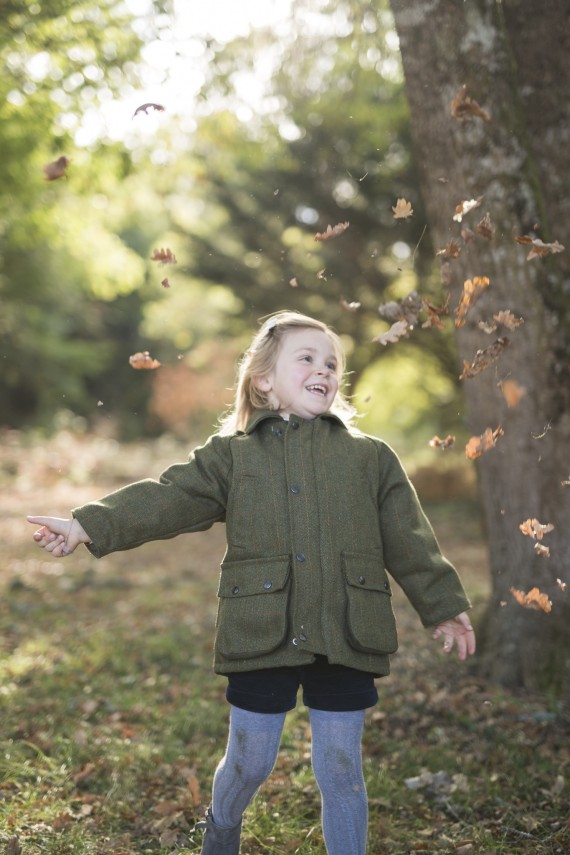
point(111, 721)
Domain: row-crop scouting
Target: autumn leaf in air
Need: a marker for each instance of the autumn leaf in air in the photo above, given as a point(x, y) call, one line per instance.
point(293, 282)
point(538, 248)
point(562, 585)
point(163, 256)
point(56, 169)
point(435, 313)
point(464, 208)
point(512, 391)
point(452, 250)
point(391, 336)
point(144, 108)
point(472, 290)
point(508, 320)
point(143, 360)
point(443, 444)
point(533, 600)
point(406, 310)
point(535, 529)
point(463, 107)
point(484, 358)
point(332, 231)
point(321, 274)
point(165, 283)
point(542, 550)
point(485, 227)
point(478, 445)
point(349, 307)
point(402, 209)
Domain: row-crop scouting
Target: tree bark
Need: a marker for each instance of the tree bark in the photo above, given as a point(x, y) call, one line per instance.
point(513, 58)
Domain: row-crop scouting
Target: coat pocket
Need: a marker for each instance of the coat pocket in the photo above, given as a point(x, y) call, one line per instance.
point(370, 621)
point(253, 607)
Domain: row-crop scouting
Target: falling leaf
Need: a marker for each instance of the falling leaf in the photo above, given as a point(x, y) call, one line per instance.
point(402, 209)
point(293, 282)
point(467, 235)
point(144, 108)
point(452, 250)
point(539, 249)
point(144, 360)
point(483, 358)
point(562, 585)
point(485, 227)
point(332, 231)
point(349, 307)
point(507, 319)
point(448, 442)
point(163, 256)
point(165, 283)
point(565, 483)
point(406, 310)
point(535, 529)
point(542, 550)
point(321, 274)
point(395, 332)
point(513, 393)
point(464, 208)
point(463, 107)
point(472, 290)
point(56, 169)
point(478, 445)
point(435, 313)
point(487, 327)
point(533, 600)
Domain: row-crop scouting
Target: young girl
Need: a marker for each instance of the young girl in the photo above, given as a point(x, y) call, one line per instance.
point(316, 514)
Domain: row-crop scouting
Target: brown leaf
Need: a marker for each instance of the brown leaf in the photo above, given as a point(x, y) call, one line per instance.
point(144, 360)
point(56, 169)
point(508, 320)
point(407, 309)
point(472, 291)
point(163, 256)
point(513, 393)
point(165, 283)
point(542, 550)
point(332, 231)
point(464, 208)
point(391, 336)
point(448, 442)
point(562, 585)
point(435, 313)
point(452, 250)
point(349, 307)
point(485, 227)
point(293, 282)
point(484, 358)
point(478, 445)
point(463, 107)
point(144, 108)
point(535, 529)
point(402, 209)
point(533, 600)
point(539, 249)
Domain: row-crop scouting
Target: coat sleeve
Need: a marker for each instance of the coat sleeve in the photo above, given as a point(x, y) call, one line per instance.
point(187, 497)
point(411, 552)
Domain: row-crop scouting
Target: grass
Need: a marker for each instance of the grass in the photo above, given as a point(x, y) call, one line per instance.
point(112, 721)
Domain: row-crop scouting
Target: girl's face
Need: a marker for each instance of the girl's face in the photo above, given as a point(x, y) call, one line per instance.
point(304, 379)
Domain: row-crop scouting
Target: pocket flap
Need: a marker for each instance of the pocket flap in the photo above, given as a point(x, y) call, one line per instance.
point(254, 576)
point(365, 571)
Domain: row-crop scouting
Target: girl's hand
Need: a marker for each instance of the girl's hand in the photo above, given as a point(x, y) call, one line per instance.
point(59, 536)
point(458, 630)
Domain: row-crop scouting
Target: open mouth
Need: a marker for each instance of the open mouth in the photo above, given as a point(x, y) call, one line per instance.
point(317, 389)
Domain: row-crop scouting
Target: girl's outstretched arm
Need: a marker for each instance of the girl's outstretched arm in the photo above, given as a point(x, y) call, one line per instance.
point(59, 536)
point(457, 630)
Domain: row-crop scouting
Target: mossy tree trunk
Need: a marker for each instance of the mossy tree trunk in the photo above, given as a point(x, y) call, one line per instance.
point(513, 58)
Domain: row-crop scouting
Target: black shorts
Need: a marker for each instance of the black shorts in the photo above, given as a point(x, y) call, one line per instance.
point(334, 688)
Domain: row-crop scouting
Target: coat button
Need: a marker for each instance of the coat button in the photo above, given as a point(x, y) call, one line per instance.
point(387, 585)
point(300, 556)
point(302, 637)
point(362, 580)
point(295, 641)
point(267, 585)
point(295, 490)
point(294, 425)
point(235, 590)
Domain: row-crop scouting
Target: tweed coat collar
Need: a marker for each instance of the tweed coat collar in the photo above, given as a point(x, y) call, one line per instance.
point(262, 415)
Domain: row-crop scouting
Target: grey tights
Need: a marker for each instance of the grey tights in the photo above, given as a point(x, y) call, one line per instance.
point(336, 756)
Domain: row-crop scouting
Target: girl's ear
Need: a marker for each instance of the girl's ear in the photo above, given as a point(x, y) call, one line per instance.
point(263, 383)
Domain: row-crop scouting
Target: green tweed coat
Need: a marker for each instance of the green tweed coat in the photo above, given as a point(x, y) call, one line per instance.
point(316, 517)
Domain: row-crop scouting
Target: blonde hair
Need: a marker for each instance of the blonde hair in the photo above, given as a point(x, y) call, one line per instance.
point(260, 359)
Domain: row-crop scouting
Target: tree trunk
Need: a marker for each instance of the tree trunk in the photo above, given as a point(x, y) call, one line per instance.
point(513, 58)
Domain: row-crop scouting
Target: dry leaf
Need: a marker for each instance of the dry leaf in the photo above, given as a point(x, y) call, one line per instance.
point(467, 235)
point(435, 313)
point(448, 442)
point(293, 282)
point(512, 392)
point(483, 358)
point(402, 209)
point(562, 585)
point(533, 600)
point(539, 249)
point(464, 208)
point(349, 307)
point(321, 274)
point(332, 231)
point(485, 227)
point(56, 169)
point(165, 283)
point(144, 108)
point(164, 256)
point(486, 327)
point(478, 445)
point(535, 529)
point(508, 320)
point(144, 360)
point(452, 250)
point(542, 550)
point(565, 483)
point(472, 290)
point(392, 335)
point(407, 309)
point(463, 107)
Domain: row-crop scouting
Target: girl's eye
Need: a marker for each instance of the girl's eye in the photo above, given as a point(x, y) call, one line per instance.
point(331, 366)
point(307, 358)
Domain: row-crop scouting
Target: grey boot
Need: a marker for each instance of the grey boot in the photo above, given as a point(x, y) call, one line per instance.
point(217, 840)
